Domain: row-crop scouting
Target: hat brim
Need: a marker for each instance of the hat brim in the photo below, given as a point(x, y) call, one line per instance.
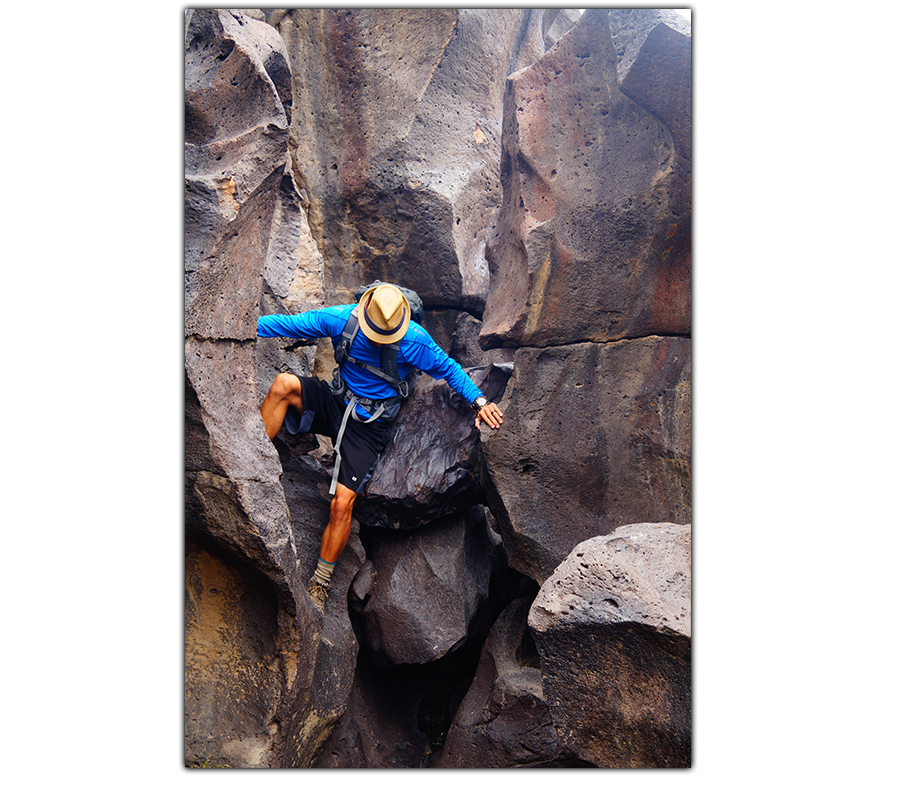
point(375, 334)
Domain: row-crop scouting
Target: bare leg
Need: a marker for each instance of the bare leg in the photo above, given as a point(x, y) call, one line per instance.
point(284, 391)
point(337, 532)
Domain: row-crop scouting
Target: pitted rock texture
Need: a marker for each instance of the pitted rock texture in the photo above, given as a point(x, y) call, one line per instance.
point(527, 168)
point(594, 436)
point(395, 140)
point(238, 103)
point(237, 113)
point(613, 629)
point(586, 246)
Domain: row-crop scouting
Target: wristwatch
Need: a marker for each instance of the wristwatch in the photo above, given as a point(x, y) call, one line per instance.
point(479, 403)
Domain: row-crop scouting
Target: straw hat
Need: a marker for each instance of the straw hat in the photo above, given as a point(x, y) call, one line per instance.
point(384, 314)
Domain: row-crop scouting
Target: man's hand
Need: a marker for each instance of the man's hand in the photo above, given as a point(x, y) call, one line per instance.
point(491, 415)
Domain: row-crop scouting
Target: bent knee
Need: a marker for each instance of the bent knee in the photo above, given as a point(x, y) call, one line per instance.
point(285, 386)
point(342, 503)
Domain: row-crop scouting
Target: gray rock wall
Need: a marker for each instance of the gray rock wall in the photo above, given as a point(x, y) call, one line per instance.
point(527, 171)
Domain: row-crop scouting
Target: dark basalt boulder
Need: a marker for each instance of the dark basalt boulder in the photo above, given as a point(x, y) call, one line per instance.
point(428, 469)
point(431, 589)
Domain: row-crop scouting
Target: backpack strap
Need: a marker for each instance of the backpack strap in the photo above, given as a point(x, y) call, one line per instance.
point(348, 334)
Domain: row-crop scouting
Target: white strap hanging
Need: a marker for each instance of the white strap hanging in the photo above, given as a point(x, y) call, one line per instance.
point(350, 409)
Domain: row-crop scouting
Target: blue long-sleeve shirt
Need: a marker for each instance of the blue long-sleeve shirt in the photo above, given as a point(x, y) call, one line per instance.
point(417, 350)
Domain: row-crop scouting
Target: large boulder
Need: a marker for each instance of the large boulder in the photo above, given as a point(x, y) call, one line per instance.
point(591, 241)
point(431, 589)
point(594, 436)
point(428, 469)
point(612, 626)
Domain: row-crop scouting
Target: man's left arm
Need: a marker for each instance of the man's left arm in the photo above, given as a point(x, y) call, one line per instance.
point(426, 354)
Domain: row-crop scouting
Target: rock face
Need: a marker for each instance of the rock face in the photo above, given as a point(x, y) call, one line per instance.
point(613, 629)
point(594, 436)
point(395, 140)
point(592, 236)
point(528, 172)
point(252, 641)
point(237, 111)
point(231, 671)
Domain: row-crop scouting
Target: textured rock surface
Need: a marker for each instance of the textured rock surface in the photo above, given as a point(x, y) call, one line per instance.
point(654, 69)
point(232, 677)
point(428, 469)
point(237, 112)
point(395, 140)
point(504, 720)
point(594, 436)
point(590, 207)
point(237, 93)
point(613, 629)
point(326, 148)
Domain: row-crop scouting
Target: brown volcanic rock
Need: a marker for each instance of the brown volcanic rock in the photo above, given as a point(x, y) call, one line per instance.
point(584, 247)
point(254, 666)
point(235, 135)
point(395, 140)
point(612, 626)
point(594, 436)
point(232, 682)
point(237, 112)
point(654, 71)
point(395, 159)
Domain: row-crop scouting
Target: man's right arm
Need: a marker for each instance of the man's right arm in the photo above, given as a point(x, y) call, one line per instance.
point(307, 325)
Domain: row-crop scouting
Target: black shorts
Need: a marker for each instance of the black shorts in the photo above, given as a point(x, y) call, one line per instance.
point(362, 444)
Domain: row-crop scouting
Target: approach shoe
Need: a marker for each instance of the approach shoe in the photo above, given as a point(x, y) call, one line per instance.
point(318, 593)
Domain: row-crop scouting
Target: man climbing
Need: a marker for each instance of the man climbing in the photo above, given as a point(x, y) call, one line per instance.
point(377, 345)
